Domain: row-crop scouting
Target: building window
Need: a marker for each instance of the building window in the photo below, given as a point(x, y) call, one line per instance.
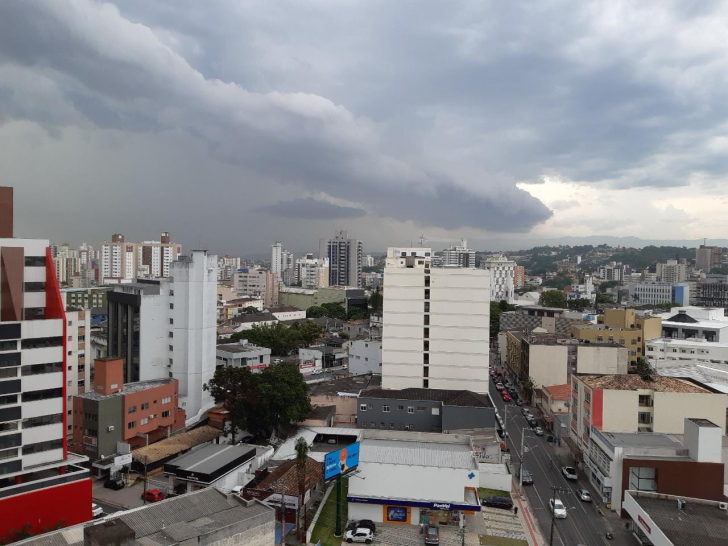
point(426, 372)
point(143, 421)
point(381, 424)
point(426, 345)
point(131, 424)
point(644, 418)
point(426, 333)
point(363, 407)
point(385, 409)
point(427, 307)
point(363, 424)
point(132, 409)
point(70, 322)
point(645, 400)
point(427, 281)
point(400, 408)
point(643, 479)
point(427, 320)
point(587, 397)
point(410, 409)
point(165, 414)
point(171, 334)
point(426, 358)
point(166, 400)
point(171, 348)
point(45, 394)
point(427, 293)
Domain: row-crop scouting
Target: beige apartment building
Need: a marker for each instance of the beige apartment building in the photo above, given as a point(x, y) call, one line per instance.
point(623, 327)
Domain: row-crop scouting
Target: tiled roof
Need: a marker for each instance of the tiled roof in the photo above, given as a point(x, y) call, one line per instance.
point(448, 398)
point(559, 392)
point(633, 382)
point(176, 444)
point(285, 477)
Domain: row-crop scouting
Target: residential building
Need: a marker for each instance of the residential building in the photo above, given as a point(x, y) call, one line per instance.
point(501, 277)
point(687, 350)
point(424, 410)
point(310, 272)
point(656, 293)
point(695, 323)
point(368, 261)
point(365, 356)
point(243, 354)
point(127, 261)
point(276, 259)
point(345, 259)
point(550, 359)
point(628, 403)
point(134, 413)
point(672, 272)
point(396, 481)
point(163, 327)
point(247, 321)
point(436, 324)
point(78, 327)
point(259, 283)
point(458, 256)
point(553, 320)
point(611, 272)
point(285, 314)
point(556, 399)
point(624, 327)
point(227, 266)
point(37, 473)
point(688, 464)
point(85, 298)
point(584, 291)
point(206, 517)
point(519, 276)
point(713, 291)
point(708, 257)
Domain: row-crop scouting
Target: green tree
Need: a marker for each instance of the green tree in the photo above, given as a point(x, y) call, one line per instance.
point(552, 298)
point(376, 301)
point(604, 298)
point(527, 385)
point(607, 284)
point(315, 312)
point(579, 304)
point(306, 332)
point(504, 306)
point(494, 318)
point(343, 335)
point(278, 337)
point(283, 398)
point(334, 310)
point(234, 388)
point(301, 460)
point(355, 314)
point(644, 369)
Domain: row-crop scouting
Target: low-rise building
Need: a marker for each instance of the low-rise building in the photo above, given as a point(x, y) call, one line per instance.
point(695, 323)
point(343, 392)
point(136, 413)
point(287, 313)
point(689, 350)
point(656, 293)
point(553, 320)
point(555, 399)
point(247, 321)
point(243, 354)
point(365, 356)
point(424, 410)
point(321, 357)
point(85, 298)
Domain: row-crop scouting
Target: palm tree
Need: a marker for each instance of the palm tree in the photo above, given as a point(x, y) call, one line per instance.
point(301, 459)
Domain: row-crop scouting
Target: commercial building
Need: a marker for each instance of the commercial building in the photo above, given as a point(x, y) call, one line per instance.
point(501, 277)
point(695, 323)
point(85, 298)
point(365, 356)
point(406, 476)
point(135, 413)
point(458, 256)
point(672, 272)
point(519, 276)
point(688, 350)
point(424, 410)
point(243, 354)
point(345, 259)
point(687, 464)
point(37, 473)
point(207, 517)
point(628, 403)
point(656, 293)
point(160, 327)
point(713, 292)
point(708, 257)
point(436, 324)
point(259, 283)
point(622, 326)
point(127, 261)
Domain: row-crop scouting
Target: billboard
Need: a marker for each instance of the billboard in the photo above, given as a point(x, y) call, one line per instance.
point(341, 461)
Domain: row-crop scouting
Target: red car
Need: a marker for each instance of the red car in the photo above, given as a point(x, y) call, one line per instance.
point(153, 495)
point(506, 397)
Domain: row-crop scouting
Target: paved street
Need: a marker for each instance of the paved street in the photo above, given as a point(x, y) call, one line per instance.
point(583, 524)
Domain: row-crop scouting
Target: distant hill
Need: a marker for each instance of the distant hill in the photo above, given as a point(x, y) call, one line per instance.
point(493, 245)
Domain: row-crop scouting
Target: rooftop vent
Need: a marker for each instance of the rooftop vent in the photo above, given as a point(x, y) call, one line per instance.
point(681, 504)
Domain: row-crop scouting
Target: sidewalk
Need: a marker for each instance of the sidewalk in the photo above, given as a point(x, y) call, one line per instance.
point(528, 521)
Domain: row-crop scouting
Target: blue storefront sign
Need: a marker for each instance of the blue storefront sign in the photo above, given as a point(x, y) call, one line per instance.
point(446, 506)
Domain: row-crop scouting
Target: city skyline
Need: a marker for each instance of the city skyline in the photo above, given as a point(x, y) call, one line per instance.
point(453, 121)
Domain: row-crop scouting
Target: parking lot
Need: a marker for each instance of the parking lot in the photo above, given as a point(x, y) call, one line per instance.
point(409, 535)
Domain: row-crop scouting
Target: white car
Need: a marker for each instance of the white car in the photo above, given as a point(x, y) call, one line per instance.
point(96, 510)
point(569, 472)
point(557, 508)
point(359, 535)
point(583, 495)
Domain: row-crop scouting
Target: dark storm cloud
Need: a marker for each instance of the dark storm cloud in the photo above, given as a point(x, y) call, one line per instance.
point(311, 209)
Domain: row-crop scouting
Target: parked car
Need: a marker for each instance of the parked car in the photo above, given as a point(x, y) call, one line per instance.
point(505, 396)
point(583, 495)
point(237, 490)
point(153, 495)
point(569, 472)
point(558, 508)
point(519, 402)
point(360, 534)
point(499, 386)
point(277, 361)
point(532, 423)
point(114, 483)
point(361, 524)
point(538, 431)
point(344, 367)
point(96, 510)
point(525, 411)
point(498, 502)
point(527, 478)
point(432, 535)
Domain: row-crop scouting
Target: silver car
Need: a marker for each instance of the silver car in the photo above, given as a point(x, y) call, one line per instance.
point(583, 495)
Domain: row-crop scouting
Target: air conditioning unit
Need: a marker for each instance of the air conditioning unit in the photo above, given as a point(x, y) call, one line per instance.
point(723, 506)
point(681, 504)
point(111, 428)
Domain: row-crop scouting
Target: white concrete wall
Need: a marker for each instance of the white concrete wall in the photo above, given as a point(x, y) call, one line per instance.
point(620, 409)
point(672, 408)
point(491, 480)
point(154, 337)
point(358, 510)
point(547, 364)
point(598, 359)
point(365, 356)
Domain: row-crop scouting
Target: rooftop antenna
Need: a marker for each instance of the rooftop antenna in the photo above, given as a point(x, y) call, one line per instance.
point(422, 240)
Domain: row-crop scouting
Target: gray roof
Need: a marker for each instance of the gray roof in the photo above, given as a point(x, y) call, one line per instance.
point(170, 521)
point(351, 384)
point(698, 523)
point(128, 388)
point(240, 348)
point(209, 458)
point(419, 453)
point(447, 397)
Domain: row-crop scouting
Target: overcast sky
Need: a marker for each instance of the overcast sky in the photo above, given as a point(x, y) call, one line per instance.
point(233, 123)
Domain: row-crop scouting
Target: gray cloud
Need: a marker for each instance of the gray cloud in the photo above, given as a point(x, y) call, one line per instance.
point(311, 209)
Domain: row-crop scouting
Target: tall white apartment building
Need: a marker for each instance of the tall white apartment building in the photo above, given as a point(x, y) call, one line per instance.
point(259, 283)
point(501, 277)
point(611, 272)
point(672, 272)
point(37, 473)
point(436, 324)
point(368, 261)
point(276, 259)
point(460, 256)
point(167, 328)
point(226, 267)
point(345, 259)
point(122, 261)
point(311, 272)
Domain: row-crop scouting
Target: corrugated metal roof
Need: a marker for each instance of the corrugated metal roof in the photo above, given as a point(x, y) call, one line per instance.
point(417, 453)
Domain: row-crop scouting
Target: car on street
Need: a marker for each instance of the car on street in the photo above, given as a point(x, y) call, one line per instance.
point(557, 508)
point(360, 534)
point(505, 396)
point(153, 495)
point(96, 510)
point(527, 478)
point(569, 472)
point(499, 386)
point(583, 495)
point(114, 483)
point(498, 502)
point(362, 524)
point(432, 535)
point(525, 411)
point(538, 431)
point(532, 423)
point(519, 402)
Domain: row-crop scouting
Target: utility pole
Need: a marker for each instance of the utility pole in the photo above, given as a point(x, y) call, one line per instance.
point(554, 489)
point(337, 529)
